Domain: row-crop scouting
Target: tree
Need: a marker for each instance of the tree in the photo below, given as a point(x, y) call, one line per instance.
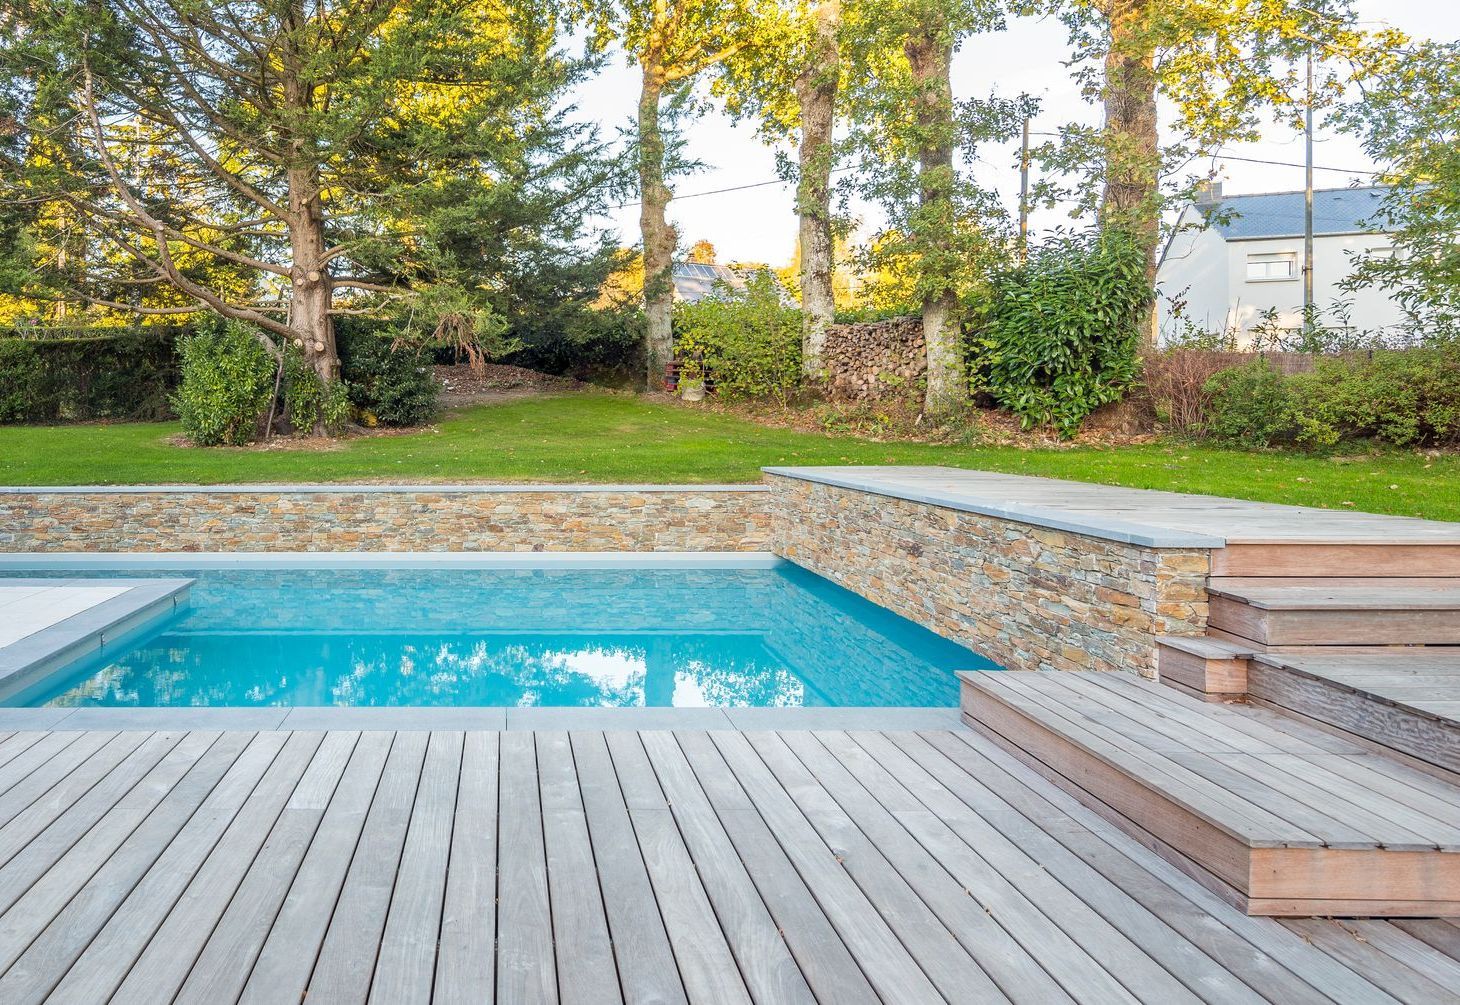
point(1219, 65)
point(789, 82)
point(1407, 121)
point(672, 43)
point(340, 155)
point(944, 232)
point(702, 252)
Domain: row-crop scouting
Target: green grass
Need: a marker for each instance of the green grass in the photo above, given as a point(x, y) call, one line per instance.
point(617, 438)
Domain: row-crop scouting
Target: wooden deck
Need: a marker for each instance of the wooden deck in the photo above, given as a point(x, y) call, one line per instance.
point(1293, 820)
point(634, 866)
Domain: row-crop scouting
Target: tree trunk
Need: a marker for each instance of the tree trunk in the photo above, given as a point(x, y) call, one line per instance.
point(309, 274)
point(1131, 199)
point(930, 54)
point(816, 90)
point(658, 236)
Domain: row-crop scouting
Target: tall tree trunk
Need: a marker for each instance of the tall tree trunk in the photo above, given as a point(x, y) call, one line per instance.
point(816, 90)
point(1131, 200)
point(930, 54)
point(658, 236)
point(309, 273)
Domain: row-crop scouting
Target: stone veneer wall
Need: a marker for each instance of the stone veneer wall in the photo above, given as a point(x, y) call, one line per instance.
point(356, 518)
point(1027, 597)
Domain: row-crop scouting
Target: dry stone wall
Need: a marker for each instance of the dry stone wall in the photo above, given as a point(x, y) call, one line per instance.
point(380, 518)
point(875, 360)
point(1028, 597)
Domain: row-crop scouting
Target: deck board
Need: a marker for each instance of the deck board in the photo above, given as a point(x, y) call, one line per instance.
point(826, 866)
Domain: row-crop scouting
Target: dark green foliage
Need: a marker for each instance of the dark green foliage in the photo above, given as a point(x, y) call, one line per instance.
point(606, 346)
point(21, 373)
point(387, 387)
point(307, 400)
point(81, 374)
point(227, 385)
point(748, 343)
point(1250, 405)
point(1407, 398)
point(1058, 337)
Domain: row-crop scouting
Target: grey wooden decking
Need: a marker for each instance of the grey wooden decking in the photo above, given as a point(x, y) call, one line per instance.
point(636, 866)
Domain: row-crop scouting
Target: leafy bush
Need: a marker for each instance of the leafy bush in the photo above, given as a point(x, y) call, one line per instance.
point(309, 400)
point(79, 374)
point(1405, 398)
point(21, 375)
point(1058, 336)
point(748, 342)
point(227, 385)
point(391, 387)
point(1177, 384)
point(1250, 405)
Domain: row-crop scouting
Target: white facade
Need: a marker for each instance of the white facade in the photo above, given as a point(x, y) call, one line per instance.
point(1227, 277)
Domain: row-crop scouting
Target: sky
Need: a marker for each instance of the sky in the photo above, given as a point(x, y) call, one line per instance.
point(759, 225)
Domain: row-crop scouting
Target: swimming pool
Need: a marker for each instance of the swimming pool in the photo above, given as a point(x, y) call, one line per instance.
point(582, 637)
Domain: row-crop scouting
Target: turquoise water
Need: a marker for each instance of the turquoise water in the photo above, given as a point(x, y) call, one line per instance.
point(777, 637)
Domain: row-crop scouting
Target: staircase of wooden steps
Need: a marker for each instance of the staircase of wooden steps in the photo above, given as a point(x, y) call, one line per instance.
point(1280, 816)
point(1276, 613)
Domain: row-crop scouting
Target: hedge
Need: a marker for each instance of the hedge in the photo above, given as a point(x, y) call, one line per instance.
point(76, 375)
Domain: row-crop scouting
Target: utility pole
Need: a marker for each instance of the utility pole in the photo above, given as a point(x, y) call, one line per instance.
point(1308, 205)
point(1024, 195)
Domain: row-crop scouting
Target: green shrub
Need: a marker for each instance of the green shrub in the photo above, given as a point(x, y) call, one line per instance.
point(1405, 397)
point(1250, 405)
point(227, 385)
point(1059, 335)
point(22, 379)
point(748, 342)
point(387, 387)
point(79, 374)
point(308, 400)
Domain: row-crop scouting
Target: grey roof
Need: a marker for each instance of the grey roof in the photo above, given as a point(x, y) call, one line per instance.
point(693, 281)
point(1280, 214)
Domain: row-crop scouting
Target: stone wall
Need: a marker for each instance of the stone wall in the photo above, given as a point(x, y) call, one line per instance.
point(387, 518)
point(874, 360)
point(1027, 597)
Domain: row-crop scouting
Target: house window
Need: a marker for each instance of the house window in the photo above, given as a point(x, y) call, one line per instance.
point(1283, 265)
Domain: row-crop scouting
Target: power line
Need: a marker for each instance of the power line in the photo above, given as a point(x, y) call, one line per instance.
point(1316, 167)
point(722, 191)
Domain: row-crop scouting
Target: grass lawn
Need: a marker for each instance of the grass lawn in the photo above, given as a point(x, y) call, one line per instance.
point(617, 438)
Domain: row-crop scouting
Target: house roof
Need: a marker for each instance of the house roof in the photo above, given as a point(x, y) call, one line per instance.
point(1280, 214)
point(693, 281)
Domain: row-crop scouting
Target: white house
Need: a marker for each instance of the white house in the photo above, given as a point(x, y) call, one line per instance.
point(1249, 259)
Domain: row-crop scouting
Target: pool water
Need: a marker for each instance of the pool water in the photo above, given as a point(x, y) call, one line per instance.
point(764, 637)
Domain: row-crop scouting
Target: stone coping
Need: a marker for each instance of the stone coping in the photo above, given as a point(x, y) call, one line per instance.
point(27, 660)
point(389, 559)
point(304, 488)
point(894, 483)
point(480, 718)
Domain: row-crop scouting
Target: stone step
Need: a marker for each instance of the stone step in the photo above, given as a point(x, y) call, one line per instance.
point(1321, 611)
point(1277, 815)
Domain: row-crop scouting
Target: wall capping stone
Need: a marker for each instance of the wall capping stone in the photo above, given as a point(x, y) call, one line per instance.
point(1106, 528)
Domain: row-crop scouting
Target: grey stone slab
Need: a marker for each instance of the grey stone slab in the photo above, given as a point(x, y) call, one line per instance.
point(175, 718)
point(1143, 517)
point(403, 718)
point(617, 718)
point(19, 719)
point(27, 660)
point(844, 718)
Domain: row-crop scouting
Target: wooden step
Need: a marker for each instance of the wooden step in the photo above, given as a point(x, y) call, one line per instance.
point(1205, 668)
point(1336, 611)
point(1374, 558)
point(1283, 818)
point(1405, 699)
